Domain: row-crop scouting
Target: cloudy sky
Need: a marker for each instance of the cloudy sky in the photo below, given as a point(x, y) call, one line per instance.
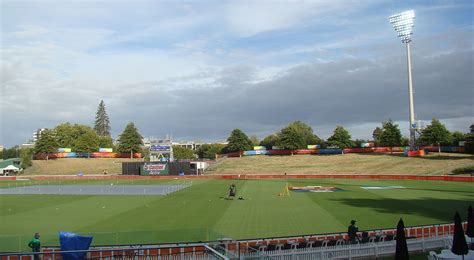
point(198, 69)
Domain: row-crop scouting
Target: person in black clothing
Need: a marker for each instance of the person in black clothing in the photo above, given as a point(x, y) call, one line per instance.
point(352, 232)
point(232, 191)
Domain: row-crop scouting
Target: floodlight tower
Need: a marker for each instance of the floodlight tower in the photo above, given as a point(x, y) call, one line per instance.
point(403, 25)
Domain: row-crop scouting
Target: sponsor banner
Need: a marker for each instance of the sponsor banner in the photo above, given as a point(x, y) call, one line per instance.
point(64, 150)
point(257, 152)
point(259, 148)
point(154, 169)
point(160, 148)
point(313, 146)
point(381, 187)
point(106, 150)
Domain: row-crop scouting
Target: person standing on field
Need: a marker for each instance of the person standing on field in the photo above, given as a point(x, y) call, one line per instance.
point(35, 245)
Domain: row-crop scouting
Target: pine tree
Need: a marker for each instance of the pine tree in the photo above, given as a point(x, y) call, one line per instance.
point(101, 125)
point(130, 140)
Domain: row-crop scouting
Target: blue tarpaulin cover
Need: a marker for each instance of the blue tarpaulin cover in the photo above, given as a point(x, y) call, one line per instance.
point(71, 241)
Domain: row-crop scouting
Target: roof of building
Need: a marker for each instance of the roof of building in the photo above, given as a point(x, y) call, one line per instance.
point(12, 161)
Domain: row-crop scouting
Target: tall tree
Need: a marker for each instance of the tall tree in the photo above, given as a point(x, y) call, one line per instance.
point(391, 135)
point(130, 140)
point(270, 141)
point(306, 131)
point(238, 141)
point(340, 138)
point(291, 138)
point(66, 134)
point(87, 141)
point(101, 125)
point(469, 145)
point(182, 153)
point(376, 134)
point(436, 134)
point(12, 152)
point(458, 137)
point(25, 155)
point(209, 151)
point(46, 142)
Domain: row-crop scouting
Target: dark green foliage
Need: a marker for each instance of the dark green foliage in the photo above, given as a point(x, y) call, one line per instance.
point(209, 151)
point(436, 134)
point(405, 141)
point(457, 137)
point(102, 124)
point(105, 142)
point(46, 142)
point(270, 141)
point(181, 153)
point(376, 134)
point(26, 155)
point(254, 140)
point(340, 138)
point(307, 132)
point(391, 135)
point(469, 145)
point(291, 138)
point(13, 152)
point(66, 134)
point(130, 140)
point(88, 141)
point(238, 141)
point(80, 138)
point(358, 142)
point(464, 170)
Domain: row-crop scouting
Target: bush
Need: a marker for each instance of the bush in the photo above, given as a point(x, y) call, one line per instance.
point(464, 170)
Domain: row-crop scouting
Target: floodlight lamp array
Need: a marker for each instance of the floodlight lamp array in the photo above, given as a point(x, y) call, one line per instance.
point(403, 24)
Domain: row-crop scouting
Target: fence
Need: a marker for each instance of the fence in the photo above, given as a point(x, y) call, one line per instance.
point(109, 239)
point(424, 237)
point(177, 252)
point(348, 251)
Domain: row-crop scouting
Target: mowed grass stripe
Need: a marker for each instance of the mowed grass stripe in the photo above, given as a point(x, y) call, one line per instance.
point(187, 215)
point(264, 212)
point(199, 212)
point(385, 207)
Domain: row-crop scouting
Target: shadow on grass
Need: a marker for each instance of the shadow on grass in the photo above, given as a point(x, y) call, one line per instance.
point(442, 209)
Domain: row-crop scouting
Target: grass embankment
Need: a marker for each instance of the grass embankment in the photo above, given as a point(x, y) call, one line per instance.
point(432, 164)
point(200, 212)
point(70, 166)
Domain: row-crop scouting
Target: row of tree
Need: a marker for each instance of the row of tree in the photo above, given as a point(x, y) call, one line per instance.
point(298, 135)
point(82, 138)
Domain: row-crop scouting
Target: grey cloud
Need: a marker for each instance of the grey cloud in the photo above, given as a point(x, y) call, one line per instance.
point(350, 92)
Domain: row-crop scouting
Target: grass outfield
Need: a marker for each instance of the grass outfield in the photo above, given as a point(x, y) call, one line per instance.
point(200, 213)
point(76, 165)
point(432, 164)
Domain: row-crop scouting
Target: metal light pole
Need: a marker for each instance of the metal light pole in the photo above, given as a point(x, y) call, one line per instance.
point(403, 25)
